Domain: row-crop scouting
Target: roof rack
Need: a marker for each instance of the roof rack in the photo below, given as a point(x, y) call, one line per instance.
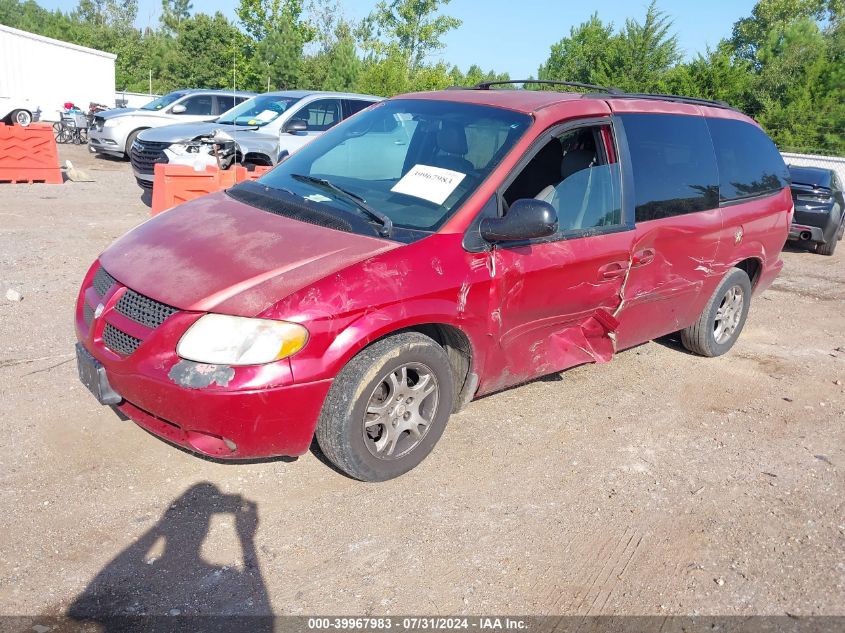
point(608, 93)
point(485, 85)
point(661, 97)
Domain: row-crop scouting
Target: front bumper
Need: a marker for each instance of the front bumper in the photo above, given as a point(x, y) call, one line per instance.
point(222, 424)
point(101, 143)
point(220, 411)
point(144, 180)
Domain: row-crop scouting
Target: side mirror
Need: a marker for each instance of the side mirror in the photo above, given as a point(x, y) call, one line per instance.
point(526, 219)
point(178, 109)
point(295, 125)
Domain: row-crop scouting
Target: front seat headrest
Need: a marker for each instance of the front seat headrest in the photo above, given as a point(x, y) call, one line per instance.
point(452, 139)
point(575, 160)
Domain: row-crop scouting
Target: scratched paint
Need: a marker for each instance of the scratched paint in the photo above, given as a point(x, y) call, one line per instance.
point(187, 373)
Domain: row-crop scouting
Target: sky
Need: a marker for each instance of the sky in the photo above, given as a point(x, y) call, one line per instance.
point(515, 36)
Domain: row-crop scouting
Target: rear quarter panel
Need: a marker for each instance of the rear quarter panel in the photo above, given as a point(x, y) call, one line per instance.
point(755, 229)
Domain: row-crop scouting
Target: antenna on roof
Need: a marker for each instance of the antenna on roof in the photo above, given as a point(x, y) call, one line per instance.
point(485, 85)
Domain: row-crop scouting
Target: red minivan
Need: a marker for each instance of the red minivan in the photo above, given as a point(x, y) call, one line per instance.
point(434, 248)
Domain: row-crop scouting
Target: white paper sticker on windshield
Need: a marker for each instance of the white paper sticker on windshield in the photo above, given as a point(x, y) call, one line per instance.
point(267, 115)
point(429, 183)
point(317, 197)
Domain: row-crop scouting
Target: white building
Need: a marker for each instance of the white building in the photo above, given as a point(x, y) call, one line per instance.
point(40, 72)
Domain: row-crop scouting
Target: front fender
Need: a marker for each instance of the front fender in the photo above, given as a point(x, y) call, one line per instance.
point(325, 361)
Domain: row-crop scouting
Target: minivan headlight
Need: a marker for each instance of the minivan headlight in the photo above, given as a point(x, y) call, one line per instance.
point(229, 340)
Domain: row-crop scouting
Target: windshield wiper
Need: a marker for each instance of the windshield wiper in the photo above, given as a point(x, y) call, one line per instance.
point(385, 222)
point(240, 126)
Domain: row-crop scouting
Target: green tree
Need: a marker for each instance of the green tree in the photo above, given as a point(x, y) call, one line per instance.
point(794, 64)
point(173, 12)
point(114, 14)
point(768, 16)
point(580, 56)
point(640, 56)
point(280, 53)
point(414, 28)
point(207, 47)
point(717, 74)
point(384, 75)
point(259, 18)
point(342, 63)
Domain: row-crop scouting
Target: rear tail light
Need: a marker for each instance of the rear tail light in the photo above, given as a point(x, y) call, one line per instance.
point(813, 198)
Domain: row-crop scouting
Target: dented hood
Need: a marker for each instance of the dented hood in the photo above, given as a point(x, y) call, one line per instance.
point(219, 255)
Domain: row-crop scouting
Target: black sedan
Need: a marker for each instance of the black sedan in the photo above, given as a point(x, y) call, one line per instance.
point(819, 209)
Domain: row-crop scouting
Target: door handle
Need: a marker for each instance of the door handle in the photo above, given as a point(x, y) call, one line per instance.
point(643, 257)
point(613, 270)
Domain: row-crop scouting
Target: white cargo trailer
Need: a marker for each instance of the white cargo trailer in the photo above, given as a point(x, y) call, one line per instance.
point(38, 72)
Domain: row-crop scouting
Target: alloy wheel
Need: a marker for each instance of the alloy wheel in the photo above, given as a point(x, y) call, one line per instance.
point(400, 411)
point(729, 314)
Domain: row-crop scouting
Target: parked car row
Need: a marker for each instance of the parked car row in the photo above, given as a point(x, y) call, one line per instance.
point(114, 131)
point(264, 128)
point(434, 248)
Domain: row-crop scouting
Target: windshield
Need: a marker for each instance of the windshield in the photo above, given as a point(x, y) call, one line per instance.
point(163, 102)
point(414, 161)
point(258, 111)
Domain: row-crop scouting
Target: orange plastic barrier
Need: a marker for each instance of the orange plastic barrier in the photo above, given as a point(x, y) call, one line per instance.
point(175, 184)
point(29, 154)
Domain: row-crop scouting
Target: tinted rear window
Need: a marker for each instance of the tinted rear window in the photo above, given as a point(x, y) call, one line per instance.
point(673, 165)
point(811, 176)
point(749, 163)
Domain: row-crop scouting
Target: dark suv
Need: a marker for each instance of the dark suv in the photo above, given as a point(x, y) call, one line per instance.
point(433, 248)
point(819, 220)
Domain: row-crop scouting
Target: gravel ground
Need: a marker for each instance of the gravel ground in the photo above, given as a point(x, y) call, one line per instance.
point(660, 483)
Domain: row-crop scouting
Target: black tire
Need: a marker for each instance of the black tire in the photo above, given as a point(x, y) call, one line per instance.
point(21, 117)
point(827, 248)
point(700, 337)
point(341, 429)
point(129, 140)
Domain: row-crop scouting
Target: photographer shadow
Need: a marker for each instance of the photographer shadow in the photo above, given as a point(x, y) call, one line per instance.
point(141, 588)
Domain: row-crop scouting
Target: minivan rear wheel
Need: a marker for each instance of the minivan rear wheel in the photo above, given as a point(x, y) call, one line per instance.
point(387, 407)
point(722, 319)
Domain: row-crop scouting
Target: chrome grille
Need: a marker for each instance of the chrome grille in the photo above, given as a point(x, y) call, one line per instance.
point(145, 154)
point(102, 281)
point(119, 341)
point(142, 309)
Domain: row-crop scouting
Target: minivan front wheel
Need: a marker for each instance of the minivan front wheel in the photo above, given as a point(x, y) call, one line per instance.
point(722, 319)
point(387, 407)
